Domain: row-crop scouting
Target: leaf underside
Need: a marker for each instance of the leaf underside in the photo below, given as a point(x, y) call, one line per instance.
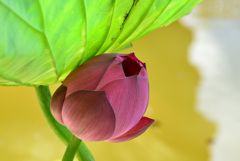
point(42, 41)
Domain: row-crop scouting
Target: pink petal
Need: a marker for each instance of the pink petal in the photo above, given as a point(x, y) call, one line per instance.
point(137, 130)
point(143, 73)
point(114, 71)
point(129, 99)
point(88, 75)
point(88, 115)
point(57, 102)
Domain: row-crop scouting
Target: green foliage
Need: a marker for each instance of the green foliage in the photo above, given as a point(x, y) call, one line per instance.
point(42, 41)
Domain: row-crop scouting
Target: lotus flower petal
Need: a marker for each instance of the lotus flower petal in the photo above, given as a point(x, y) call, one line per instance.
point(88, 115)
point(129, 99)
point(114, 71)
point(143, 73)
point(91, 73)
point(57, 102)
point(137, 130)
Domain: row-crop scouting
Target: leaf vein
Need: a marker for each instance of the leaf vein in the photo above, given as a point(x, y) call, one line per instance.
point(47, 41)
point(19, 17)
point(85, 15)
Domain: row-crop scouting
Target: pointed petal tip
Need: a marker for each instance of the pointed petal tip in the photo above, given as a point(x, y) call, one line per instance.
point(136, 131)
point(144, 64)
point(133, 57)
point(114, 72)
point(143, 73)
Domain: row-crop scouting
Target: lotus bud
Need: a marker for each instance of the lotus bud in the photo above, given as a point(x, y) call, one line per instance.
point(104, 99)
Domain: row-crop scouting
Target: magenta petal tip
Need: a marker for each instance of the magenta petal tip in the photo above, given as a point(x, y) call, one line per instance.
point(137, 130)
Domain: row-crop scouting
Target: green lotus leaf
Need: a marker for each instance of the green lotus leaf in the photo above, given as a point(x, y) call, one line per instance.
point(42, 41)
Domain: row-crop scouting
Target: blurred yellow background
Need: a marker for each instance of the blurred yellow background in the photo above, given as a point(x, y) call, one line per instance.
point(179, 133)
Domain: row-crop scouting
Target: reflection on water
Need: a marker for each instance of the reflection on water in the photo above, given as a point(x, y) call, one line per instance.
point(215, 52)
point(180, 133)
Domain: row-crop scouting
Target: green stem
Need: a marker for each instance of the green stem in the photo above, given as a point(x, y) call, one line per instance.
point(71, 149)
point(44, 98)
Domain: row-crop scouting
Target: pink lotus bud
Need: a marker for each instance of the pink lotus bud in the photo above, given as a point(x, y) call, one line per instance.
point(104, 99)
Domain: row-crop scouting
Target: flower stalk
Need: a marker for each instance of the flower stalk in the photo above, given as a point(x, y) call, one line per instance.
point(71, 149)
